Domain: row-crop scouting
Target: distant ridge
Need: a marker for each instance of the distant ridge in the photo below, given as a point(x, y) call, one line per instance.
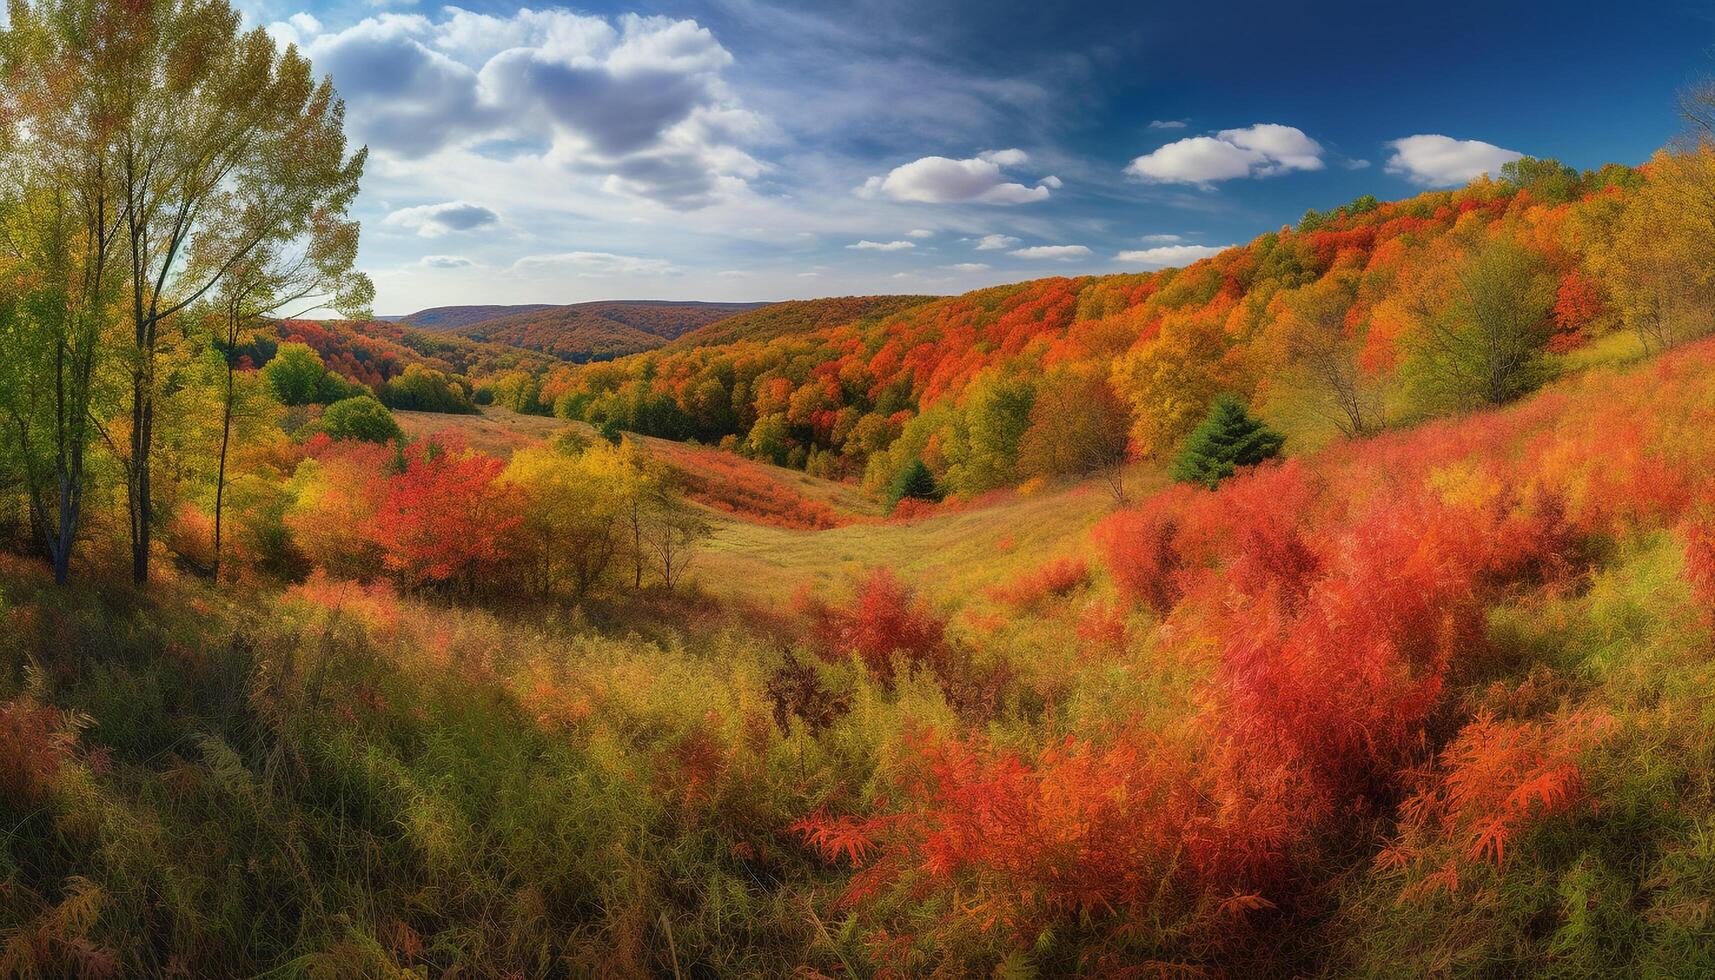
point(590, 331)
point(445, 318)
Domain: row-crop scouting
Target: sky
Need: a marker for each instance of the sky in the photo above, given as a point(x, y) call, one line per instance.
point(771, 149)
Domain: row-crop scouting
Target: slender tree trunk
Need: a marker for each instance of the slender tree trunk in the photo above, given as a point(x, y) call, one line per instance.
point(220, 471)
point(142, 432)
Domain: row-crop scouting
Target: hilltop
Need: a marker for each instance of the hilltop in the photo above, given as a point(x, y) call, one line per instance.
point(596, 331)
point(442, 318)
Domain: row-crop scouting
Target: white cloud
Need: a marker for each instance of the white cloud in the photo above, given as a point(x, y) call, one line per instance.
point(969, 266)
point(592, 265)
point(434, 220)
point(1063, 252)
point(639, 101)
point(1170, 255)
point(809, 275)
point(919, 233)
point(446, 262)
point(994, 243)
point(1167, 124)
point(296, 29)
point(868, 246)
point(1162, 239)
point(1051, 182)
point(1442, 161)
point(940, 180)
point(1261, 150)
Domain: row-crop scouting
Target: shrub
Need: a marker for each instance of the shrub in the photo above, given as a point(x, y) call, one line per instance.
point(884, 618)
point(360, 418)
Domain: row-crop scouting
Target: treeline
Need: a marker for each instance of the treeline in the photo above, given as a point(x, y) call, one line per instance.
point(1368, 316)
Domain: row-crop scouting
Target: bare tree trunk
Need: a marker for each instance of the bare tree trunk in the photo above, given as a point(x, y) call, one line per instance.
point(220, 471)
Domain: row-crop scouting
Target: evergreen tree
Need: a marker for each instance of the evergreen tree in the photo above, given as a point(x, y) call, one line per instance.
point(1227, 439)
point(915, 481)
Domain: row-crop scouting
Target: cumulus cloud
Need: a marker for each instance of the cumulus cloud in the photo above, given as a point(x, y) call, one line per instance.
point(1170, 255)
point(638, 101)
point(919, 233)
point(994, 243)
point(296, 29)
point(434, 220)
point(1442, 161)
point(1167, 124)
point(445, 262)
point(594, 265)
point(969, 266)
point(1161, 239)
point(868, 246)
point(1062, 252)
point(1261, 150)
point(941, 180)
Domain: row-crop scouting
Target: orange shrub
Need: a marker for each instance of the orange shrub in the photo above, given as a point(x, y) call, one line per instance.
point(884, 618)
point(1057, 578)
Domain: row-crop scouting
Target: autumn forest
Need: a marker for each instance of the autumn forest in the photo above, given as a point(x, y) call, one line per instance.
point(1341, 603)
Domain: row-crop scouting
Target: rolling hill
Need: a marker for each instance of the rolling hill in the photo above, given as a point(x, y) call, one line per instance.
point(589, 331)
point(439, 319)
point(796, 317)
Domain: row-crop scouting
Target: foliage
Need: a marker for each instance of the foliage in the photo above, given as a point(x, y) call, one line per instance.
point(1228, 439)
point(360, 417)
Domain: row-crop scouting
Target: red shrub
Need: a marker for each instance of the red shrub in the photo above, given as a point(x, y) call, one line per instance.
point(33, 746)
point(445, 516)
point(884, 618)
point(1057, 578)
point(1496, 781)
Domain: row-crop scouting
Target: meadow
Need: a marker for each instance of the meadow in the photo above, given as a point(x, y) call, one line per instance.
point(1339, 604)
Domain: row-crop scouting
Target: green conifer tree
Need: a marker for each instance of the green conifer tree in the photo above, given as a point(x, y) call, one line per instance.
point(1225, 440)
point(915, 481)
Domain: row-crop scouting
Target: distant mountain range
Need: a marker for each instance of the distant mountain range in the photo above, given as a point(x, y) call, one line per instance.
point(578, 331)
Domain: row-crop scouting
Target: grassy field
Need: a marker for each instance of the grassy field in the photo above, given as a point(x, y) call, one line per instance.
point(950, 556)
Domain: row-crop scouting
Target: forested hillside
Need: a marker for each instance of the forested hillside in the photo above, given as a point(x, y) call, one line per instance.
point(1356, 320)
point(599, 331)
point(443, 318)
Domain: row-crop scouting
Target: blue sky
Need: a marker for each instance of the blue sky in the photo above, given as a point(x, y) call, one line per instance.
point(750, 149)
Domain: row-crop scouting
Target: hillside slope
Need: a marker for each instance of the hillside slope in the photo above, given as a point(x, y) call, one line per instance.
point(1326, 328)
point(440, 318)
point(796, 317)
point(598, 331)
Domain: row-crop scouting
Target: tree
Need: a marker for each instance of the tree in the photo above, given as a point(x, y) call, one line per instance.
point(61, 265)
point(360, 417)
point(1227, 439)
point(996, 415)
point(1485, 343)
point(1078, 425)
point(574, 505)
point(297, 374)
point(914, 481)
point(1658, 257)
point(313, 271)
point(224, 148)
point(1171, 379)
point(421, 389)
point(1310, 333)
point(446, 517)
point(675, 527)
